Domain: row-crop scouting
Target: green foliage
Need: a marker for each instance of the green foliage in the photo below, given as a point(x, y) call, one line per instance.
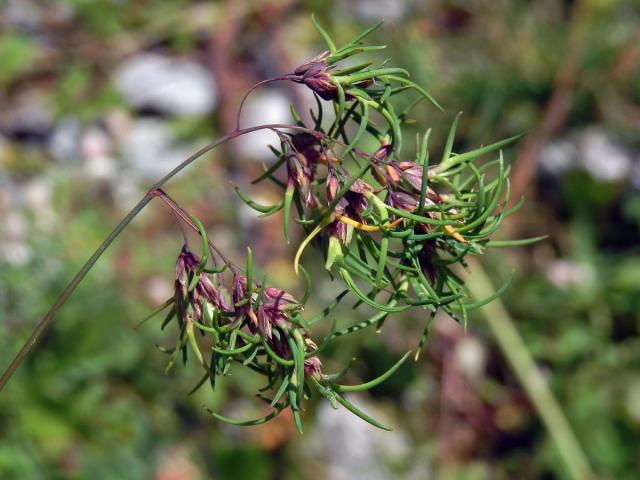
point(18, 54)
point(398, 237)
point(473, 57)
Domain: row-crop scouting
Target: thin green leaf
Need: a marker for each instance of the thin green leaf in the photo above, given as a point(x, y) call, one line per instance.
point(281, 390)
point(489, 299)
point(418, 88)
point(168, 318)
point(423, 160)
point(450, 139)
point(246, 423)
point(326, 310)
point(199, 384)
point(296, 116)
point(340, 104)
point(275, 357)
point(385, 308)
point(269, 171)
point(365, 33)
point(260, 294)
point(306, 241)
point(368, 74)
point(354, 69)
point(235, 351)
point(288, 196)
point(352, 51)
point(472, 155)
point(307, 285)
point(323, 33)
point(155, 312)
point(317, 119)
point(256, 206)
point(298, 355)
point(249, 271)
point(376, 381)
point(353, 409)
point(514, 243)
point(425, 334)
point(362, 127)
point(205, 244)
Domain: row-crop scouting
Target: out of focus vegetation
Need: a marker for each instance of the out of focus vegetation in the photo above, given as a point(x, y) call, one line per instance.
point(100, 98)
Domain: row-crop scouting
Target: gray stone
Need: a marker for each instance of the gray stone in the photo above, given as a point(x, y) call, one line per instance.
point(391, 11)
point(171, 85)
point(63, 144)
point(558, 157)
point(32, 114)
point(351, 448)
point(149, 149)
point(264, 106)
point(603, 158)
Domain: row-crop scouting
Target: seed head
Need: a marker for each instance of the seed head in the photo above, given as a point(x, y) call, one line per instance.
point(195, 290)
point(315, 75)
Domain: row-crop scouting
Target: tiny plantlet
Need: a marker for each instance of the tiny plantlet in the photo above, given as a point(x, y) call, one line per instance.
point(391, 226)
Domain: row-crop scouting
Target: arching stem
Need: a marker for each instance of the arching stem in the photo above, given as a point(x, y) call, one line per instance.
point(77, 279)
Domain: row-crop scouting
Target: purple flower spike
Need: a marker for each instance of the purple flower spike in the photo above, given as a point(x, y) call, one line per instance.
point(315, 75)
point(313, 367)
point(403, 201)
point(203, 293)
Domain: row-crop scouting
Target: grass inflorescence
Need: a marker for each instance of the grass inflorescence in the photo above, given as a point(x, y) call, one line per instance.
point(390, 228)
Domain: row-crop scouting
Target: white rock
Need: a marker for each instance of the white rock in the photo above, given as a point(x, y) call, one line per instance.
point(262, 107)
point(567, 274)
point(14, 248)
point(602, 158)
point(171, 85)
point(472, 357)
point(38, 197)
point(95, 143)
point(157, 289)
point(351, 448)
point(96, 147)
point(15, 253)
point(32, 114)
point(100, 167)
point(64, 141)
point(558, 157)
point(118, 121)
point(24, 13)
point(247, 216)
point(177, 462)
point(149, 149)
point(391, 11)
point(127, 190)
point(14, 226)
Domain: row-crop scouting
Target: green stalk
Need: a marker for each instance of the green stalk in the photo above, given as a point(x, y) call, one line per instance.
point(44, 323)
point(533, 381)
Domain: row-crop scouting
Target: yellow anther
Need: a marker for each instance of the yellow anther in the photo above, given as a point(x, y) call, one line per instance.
point(451, 231)
point(364, 226)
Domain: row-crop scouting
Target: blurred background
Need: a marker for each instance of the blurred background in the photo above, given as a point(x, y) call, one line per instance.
point(100, 98)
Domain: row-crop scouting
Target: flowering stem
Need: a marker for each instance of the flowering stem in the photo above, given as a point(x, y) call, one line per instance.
point(257, 85)
point(66, 293)
point(181, 214)
point(77, 279)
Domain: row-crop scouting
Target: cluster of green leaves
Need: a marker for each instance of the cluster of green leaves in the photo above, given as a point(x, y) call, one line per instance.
point(413, 224)
point(592, 352)
point(282, 353)
point(384, 246)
